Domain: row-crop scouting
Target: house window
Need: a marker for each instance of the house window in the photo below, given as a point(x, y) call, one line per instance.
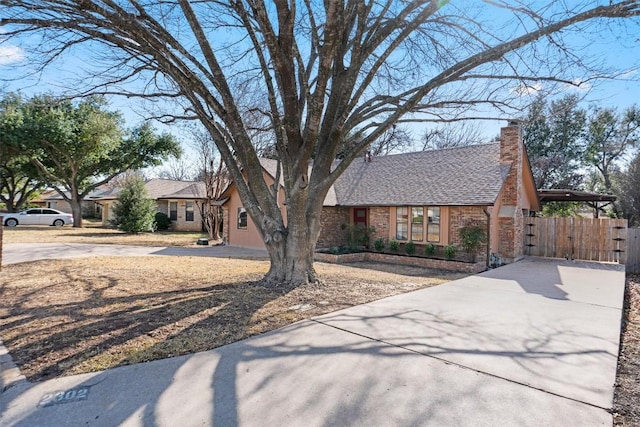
point(402, 223)
point(417, 224)
point(433, 225)
point(242, 218)
point(188, 211)
point(173, 211)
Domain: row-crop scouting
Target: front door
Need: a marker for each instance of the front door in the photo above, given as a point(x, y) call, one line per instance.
point(360, 216)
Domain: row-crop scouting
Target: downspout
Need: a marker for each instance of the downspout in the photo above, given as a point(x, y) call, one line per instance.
point(488, 248)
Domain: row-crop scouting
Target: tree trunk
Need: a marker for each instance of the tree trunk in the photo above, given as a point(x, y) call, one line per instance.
point(76, 210)
point(291, 252)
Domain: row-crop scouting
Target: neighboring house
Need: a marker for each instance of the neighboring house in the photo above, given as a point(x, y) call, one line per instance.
point(425, 197)
point(52, 199)
point(180, 200)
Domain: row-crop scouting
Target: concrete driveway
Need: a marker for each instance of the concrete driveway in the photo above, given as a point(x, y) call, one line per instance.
point(25, 252)
point(530, 344)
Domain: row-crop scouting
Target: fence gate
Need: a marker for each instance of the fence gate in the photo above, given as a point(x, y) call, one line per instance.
point(592, 239)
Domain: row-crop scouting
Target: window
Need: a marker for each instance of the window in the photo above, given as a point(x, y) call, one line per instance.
point(417, 224)
point(173, 211)
point(242, 218)
point(433, 226)
point(402, 223)
point(188, 211)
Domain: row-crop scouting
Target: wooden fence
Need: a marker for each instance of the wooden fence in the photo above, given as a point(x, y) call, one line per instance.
point(633, 250)
point(593, 239)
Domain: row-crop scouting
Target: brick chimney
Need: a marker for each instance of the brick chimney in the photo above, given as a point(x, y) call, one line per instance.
point(510, 216)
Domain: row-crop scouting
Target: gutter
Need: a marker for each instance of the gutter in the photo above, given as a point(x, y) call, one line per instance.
point(488, 248)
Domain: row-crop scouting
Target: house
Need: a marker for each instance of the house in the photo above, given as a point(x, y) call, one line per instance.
point(180, 200)
point(425, 197)
point(52, 199)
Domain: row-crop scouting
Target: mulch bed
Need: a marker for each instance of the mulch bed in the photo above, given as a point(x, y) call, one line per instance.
point(626, 402)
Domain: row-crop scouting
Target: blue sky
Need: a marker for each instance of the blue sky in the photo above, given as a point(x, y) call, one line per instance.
point(618, 49)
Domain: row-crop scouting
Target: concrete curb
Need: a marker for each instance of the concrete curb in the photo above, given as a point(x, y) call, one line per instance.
point(10, 374)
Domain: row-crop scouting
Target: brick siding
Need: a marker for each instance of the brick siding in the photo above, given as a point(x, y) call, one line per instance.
point(465, 267)
point(511, 219)
point(331, 231)
point(379, 217)
point(461, 216)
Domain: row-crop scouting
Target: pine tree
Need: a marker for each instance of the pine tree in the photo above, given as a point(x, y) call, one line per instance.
point(134, 211)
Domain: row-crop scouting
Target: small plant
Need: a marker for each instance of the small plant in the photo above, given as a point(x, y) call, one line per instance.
point(162, 221)
point(394, 245)
point(450, 252)
point(379, 244)
point(410, 247)
point(430, 249)
point(334, 250)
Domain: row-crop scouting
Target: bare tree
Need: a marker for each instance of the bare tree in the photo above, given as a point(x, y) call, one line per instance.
point(178, 169)
point(334, 73)
point(213, 173)
point(449, 135)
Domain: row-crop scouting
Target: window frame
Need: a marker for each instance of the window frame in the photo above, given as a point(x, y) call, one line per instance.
point(171, 212)
point(240, 223)
point(437, 224)
point(402, 219)
point(189, 211)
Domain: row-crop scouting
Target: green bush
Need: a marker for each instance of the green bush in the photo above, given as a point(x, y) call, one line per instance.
point(358, 236)
point(472, 236)
point(410, 247)
point(379, 244)
point(134, 212)
point(162, 221)
point(450, 251)
point(430, 249)
point(394, 245)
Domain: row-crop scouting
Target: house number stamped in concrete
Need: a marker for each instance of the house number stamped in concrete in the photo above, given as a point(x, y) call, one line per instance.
point(64, 396)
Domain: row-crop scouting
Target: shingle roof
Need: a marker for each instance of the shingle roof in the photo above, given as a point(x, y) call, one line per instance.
point(471, 175)
point(197, 190)
point(165, 189)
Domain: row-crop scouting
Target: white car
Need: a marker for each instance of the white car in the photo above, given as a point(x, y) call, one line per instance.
point(37, 216)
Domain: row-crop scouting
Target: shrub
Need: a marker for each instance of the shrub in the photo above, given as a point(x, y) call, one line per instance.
point(334, 250)
point(162, 221)
point(379, 244)
point(134, 211)
point(358, 236)
point(410, 247)
point(394, 245)
point(472, 236)
point(450, 251)
point(430, 249)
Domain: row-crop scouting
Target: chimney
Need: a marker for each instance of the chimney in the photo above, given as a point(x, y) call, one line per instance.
point(510, 217)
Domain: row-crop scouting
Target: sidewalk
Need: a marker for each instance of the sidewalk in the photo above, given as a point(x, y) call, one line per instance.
point(533, 343)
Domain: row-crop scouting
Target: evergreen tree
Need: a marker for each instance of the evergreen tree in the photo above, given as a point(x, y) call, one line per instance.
point(134, 211)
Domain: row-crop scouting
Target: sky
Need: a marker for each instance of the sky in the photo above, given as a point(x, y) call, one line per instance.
point(619, 51)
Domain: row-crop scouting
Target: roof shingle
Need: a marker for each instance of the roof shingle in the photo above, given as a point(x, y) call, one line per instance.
point(471, 175)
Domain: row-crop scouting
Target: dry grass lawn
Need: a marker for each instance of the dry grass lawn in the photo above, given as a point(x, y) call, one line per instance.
point(65, 317)
point(93, 232)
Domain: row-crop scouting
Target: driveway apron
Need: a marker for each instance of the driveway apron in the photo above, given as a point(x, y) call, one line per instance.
point(529, 344)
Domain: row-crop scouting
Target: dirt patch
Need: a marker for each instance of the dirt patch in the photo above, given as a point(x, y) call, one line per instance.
point(66, 317)
point(626, 410)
